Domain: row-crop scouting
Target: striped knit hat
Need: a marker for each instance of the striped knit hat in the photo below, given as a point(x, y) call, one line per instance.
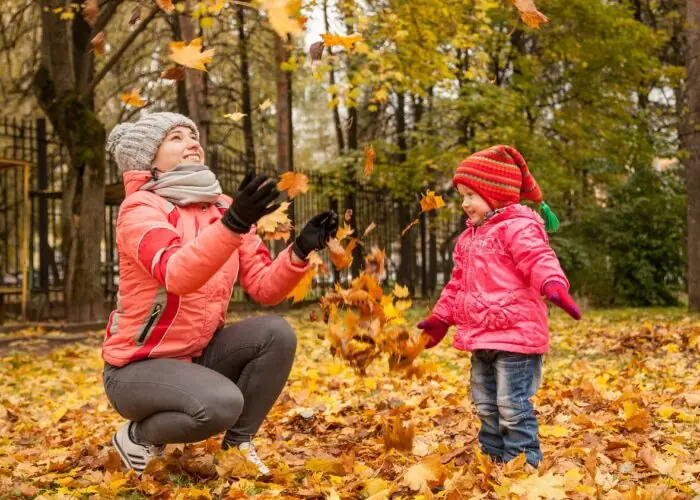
point(500, 176)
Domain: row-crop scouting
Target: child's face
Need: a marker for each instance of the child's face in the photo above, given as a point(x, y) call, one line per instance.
point(473, 205)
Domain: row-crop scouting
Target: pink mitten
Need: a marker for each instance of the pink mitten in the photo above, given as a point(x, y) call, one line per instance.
point(435, 328)
point(557, 293)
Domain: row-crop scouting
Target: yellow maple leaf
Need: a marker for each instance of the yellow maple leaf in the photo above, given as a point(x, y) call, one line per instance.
point(529, 13)
point(294, 183)
point(270, 222)
point(331, 40)
point(133, 98)
point(302, 288)
point(281, 19)
point(431, 202)
point(400, 292)
point(191, 55)
point(235, 117)
point(553, 430)
point(534, 487)
point(424, 475)
point(369, 159)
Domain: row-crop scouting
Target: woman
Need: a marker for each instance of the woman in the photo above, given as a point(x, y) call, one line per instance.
point(171, 367)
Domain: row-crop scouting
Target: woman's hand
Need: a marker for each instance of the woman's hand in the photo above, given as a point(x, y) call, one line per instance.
point(316, 233)
point(250, 203)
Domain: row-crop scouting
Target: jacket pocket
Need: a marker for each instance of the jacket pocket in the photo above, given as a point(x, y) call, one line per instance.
point(144, 333)
point(492, 311)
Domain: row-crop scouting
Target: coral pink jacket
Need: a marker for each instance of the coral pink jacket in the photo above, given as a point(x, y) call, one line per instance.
point(494, 294)
point(177, 268)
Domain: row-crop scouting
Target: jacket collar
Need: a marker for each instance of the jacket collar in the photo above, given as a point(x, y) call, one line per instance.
point(510, 212)
point(134, 179)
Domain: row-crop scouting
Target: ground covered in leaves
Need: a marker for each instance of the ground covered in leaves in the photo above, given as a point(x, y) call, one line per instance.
point(619, 412)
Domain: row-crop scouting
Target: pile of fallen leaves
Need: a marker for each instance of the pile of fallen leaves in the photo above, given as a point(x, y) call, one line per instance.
point(619, 411)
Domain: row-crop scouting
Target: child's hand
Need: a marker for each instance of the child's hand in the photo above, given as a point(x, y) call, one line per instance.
point(435, 329)
point(557, 293)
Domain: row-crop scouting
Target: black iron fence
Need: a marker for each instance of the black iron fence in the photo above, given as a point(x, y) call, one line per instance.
point(32, 141)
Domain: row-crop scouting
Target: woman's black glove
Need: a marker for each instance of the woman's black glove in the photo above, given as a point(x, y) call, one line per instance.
point(316, 233)
point(250, 203)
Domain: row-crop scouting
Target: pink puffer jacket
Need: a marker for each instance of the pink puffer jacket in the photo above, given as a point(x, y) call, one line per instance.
point(177, 267)
point(494, 294)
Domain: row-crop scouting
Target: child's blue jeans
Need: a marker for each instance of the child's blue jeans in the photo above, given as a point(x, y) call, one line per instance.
point(502, 385)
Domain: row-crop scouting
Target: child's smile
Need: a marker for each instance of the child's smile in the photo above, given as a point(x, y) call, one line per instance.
point(473, 205)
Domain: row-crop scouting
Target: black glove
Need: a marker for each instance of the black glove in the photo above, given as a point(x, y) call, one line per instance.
point(250, 203)
point(316, 233)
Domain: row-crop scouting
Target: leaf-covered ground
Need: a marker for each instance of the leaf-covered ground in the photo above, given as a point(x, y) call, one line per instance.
point(619, 412)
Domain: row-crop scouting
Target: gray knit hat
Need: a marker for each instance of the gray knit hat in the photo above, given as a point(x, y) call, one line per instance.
point(134, 145)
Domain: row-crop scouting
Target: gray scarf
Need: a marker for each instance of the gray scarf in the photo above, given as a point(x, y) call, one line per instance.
point(185, 184)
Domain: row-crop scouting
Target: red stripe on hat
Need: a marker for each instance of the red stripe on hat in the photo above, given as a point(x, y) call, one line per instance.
point(167, 317)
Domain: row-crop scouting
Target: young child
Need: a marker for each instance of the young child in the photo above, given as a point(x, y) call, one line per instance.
point(503, 265)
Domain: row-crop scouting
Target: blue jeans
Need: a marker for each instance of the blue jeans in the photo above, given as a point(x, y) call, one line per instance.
point(502, 385)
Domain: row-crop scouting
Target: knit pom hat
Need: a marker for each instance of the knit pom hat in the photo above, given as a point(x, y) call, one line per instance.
point(134, 145)
point(500, 176)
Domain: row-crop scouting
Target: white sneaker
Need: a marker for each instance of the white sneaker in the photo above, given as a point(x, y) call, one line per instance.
point(135, 455)
point(248, 451)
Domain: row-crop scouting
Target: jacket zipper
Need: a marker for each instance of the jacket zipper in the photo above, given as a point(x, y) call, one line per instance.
point(144, 333)
point(469, 267)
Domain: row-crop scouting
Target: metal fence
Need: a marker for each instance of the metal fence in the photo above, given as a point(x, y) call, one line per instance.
point(33, 142)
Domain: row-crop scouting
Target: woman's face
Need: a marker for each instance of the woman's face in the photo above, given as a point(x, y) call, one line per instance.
point(179, 146)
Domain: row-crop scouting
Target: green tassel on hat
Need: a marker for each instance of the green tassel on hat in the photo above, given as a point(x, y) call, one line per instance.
point(551, 223)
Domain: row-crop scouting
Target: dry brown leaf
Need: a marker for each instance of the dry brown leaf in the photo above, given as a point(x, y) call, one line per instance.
point(529, 13)
point(316, 51)
point(294, 183)
point(176, 73)
point(98, 43)
point(135, 15)
point(191, 55)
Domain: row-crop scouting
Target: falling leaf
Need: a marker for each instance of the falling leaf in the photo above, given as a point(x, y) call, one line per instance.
point(369, 229)
point(400, 291)
point(316, 51)
point(174, 73)
point(343, 232)
point(133, 98)
point(341, 257)
point(281, 19)
point(98, 43)
point(166, 5)
point(431, 202)
point(265, 105)
point(271, 222)
point(135, 15)
point(302, 288)
point(529, 13)
point(413, 223)
point(331, 40)
point(369, 159)
point(191, 55)
point(90, 11)
point(294, 183)
point(235, 117)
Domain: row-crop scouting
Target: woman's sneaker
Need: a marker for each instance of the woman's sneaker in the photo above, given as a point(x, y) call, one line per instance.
point(135, 455)
point(248, 451)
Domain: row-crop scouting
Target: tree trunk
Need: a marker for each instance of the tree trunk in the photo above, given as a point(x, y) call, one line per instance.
point(693, 146)
point(180, 85)
point(336, 113)
point(408, 242)
point(245, 90)
point(195, 82)
point(285, 134)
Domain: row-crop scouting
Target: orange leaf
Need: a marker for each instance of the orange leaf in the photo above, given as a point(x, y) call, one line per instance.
point(342, 259)
point(413, 223)
point(331, 40)
point(294, 183)
point(369, 229)
point(276, 220)
point(191, 54)
point(398, 435)
point(369, 159)
point(98, 42)
point(283, 16)
point(166, 5)
point(133, 98)
point(529, 13)
point(302, 288)
point(90, 11)
point(431, 202)
point(343, 232)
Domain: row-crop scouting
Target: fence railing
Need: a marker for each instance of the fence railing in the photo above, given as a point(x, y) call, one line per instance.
point(33, 142)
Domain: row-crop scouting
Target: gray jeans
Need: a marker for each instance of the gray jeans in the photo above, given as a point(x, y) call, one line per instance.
point(230, 387)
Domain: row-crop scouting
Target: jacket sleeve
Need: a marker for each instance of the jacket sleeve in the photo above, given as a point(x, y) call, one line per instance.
point(534, 258)
point(266, 280)
point(147, 237)
point(445, 304)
